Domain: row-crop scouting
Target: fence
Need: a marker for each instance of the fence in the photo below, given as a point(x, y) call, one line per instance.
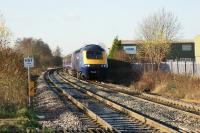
point(182, 67)
point(177, 67)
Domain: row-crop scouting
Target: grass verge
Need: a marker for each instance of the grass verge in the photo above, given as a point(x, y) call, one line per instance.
point(170, 85)
point(19, 120)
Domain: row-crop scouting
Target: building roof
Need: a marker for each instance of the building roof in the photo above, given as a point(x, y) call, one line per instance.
point(129, 42)
point(125, 42)
point(183, 41)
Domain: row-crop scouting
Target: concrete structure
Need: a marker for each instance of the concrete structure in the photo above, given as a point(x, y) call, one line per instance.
point(184, 50)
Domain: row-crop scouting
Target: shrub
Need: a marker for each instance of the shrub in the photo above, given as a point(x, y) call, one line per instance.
point(13, 81)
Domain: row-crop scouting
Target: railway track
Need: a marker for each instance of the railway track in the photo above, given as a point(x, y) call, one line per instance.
point(137, 122)
point(108, 117)
point(154, 98)
point(91, 125)
point(183, 115)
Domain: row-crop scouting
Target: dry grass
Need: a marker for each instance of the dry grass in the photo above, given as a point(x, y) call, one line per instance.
point(172, 85)
point(13, 83)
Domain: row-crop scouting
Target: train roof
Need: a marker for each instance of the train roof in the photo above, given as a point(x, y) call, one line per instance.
point(92, 47)
point(87, 47)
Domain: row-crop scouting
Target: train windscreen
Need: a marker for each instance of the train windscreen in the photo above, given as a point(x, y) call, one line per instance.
point(94, 55)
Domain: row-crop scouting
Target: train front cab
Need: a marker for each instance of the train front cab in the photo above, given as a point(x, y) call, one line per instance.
point(94, 64)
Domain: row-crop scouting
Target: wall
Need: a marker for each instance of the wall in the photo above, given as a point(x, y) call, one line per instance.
point(197, 48)
point(177, 52)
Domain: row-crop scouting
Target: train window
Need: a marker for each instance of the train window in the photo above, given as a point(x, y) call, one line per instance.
point(94, 55)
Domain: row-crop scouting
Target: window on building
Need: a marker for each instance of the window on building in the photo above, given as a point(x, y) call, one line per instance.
point(186, 47)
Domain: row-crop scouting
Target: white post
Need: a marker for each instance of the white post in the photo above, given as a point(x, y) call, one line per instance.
point(28, 63)
point(29, 99)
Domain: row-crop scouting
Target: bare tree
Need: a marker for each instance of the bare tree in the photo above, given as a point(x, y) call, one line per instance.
point(156, 33)
point(57, 51)
point(4, 33)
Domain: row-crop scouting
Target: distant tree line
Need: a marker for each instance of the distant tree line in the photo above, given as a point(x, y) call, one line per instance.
point(40, 51)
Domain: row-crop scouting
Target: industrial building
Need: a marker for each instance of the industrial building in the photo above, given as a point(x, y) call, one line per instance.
point(188, 50)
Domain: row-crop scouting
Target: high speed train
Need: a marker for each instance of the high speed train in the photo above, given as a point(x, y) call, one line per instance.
point(87, 62)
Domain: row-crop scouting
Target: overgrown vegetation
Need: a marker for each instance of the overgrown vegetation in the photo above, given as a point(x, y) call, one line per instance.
point(171, 85)
point(13, 78)
point(13, 87)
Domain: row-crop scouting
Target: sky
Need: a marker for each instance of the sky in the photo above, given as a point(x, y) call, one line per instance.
point(71, 24)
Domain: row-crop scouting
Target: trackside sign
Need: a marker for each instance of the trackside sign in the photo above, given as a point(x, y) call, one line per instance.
point(28, 62)
point(130, 49)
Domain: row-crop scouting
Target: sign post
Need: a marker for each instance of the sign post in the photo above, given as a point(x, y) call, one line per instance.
point(131, 51)
point(28, 63)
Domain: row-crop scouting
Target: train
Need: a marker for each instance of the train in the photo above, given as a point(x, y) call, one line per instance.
point(88, 62)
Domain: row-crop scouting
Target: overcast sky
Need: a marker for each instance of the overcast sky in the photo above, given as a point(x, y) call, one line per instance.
point(73, 23)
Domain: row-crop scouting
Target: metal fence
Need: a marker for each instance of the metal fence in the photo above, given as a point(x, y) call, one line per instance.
point(182, 67)
point(177, 67)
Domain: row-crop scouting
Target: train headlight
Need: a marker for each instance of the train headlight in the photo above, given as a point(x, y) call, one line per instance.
point(87, 65)
point(103, 65)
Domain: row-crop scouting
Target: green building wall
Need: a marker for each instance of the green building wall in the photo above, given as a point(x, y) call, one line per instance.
point(177, 52)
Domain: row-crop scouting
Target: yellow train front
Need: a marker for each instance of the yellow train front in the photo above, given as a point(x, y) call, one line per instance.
point(89, 62)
